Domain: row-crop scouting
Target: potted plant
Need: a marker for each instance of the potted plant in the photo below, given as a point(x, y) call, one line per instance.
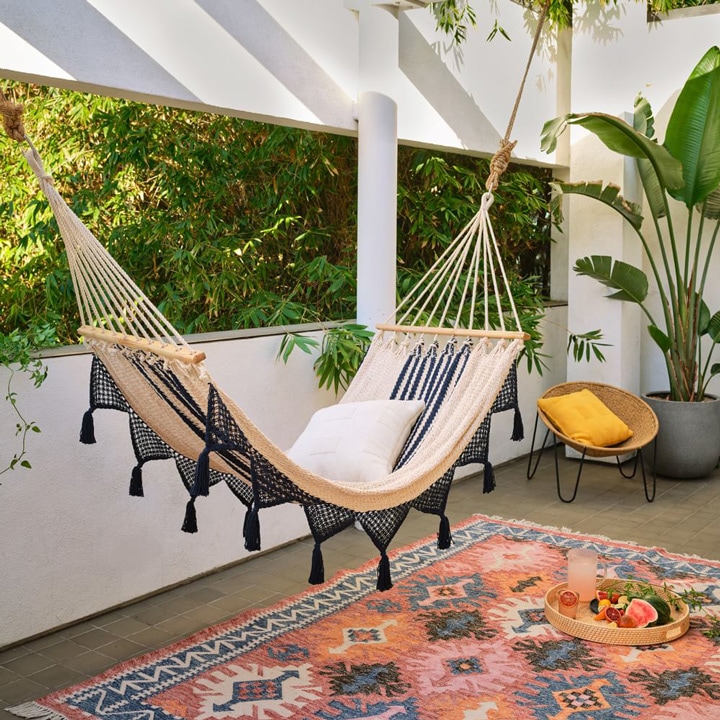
point(681, 184)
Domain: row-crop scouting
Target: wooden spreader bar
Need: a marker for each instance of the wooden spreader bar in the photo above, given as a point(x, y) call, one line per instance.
point(167, 350)
point(461, 332)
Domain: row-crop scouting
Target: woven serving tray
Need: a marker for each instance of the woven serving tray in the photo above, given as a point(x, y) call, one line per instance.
point(585, 627)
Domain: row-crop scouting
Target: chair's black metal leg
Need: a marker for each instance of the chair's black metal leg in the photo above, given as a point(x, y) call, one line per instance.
point(640, 459)
point(532, 470)
point(635, 466)
point(557, 475)
point(648, 496)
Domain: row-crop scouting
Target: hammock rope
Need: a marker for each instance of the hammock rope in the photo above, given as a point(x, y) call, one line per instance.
point(438, 285)
point(501, 159)
point(463, 374)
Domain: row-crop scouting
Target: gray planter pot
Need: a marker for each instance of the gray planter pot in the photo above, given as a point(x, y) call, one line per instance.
point(688, 444)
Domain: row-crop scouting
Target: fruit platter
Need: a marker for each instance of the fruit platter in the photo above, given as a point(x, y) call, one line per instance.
point(624, 612)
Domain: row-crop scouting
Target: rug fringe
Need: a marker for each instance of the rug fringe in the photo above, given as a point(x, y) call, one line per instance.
point(592, 537)
point(34, 711)
point(548, 528)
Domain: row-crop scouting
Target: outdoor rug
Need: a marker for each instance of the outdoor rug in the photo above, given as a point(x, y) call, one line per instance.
point(461, 636)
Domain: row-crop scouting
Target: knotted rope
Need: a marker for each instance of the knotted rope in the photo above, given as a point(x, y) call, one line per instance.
point(12, 114)
point(499, 163)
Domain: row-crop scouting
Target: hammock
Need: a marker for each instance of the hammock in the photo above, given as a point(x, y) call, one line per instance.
point(143, 367)
point(461, 375)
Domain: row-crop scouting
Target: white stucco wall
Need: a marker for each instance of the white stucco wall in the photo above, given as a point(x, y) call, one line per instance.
point(75, 542)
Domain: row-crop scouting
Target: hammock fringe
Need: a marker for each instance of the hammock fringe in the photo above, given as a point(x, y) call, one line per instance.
point(136, 482)
point(518, 432)
point(384, 580)
point(488, 478)
point(190, 523)
point(201, 484)
point(317, 569)
point(251, 529)
point(87, 429)
point(444, 534)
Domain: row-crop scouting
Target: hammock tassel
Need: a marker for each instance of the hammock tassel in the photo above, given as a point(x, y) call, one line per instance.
point(87, 430)
point(202, 474)
point(317, 570)
point(251, 529)
point(488, 478)
point(384, 581)
point(136, 482)
point(444, 535)
point(518, 432)
point(190, 524)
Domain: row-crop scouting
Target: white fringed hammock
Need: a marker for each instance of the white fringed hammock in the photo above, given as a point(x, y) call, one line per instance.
point(124, 328)
point(144, 367)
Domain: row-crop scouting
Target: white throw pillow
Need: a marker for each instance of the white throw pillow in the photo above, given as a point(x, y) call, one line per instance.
point(356, 442)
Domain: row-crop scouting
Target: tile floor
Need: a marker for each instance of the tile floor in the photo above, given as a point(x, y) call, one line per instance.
point(685, 517)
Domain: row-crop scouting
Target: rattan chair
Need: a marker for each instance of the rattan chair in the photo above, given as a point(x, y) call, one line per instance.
point(636, 414)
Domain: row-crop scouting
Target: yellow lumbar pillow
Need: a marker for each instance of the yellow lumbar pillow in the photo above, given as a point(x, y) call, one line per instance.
point(583, 417)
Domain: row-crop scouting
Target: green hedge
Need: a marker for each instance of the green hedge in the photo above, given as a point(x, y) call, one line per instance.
point(227, 223)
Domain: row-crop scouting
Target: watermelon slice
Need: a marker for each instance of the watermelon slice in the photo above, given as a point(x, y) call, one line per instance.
point(642, 612)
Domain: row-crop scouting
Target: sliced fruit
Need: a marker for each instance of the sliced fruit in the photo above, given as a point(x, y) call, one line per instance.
point(605, 602)
point(663, 609)
point(626, 622)
point(602, 594)
point(602, 614)
point(642, 612)
point(613, 614)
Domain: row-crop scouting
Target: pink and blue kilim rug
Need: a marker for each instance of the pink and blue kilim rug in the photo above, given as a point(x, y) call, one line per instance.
point(461, 636)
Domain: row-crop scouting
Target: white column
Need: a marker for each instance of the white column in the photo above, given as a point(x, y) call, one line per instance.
point(377, 162)
point(377, 209)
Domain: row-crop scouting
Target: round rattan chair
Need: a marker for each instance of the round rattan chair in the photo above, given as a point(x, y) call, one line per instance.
point(631, 409)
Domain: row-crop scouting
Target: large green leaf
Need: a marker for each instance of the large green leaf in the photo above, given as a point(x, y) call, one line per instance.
point(704, 317)
point(662, 340)
point(644, 122)
point(619, 137)
point(551, 131)
point(643, 119)
point(711, 207)
point(713, 327)
point(629, 282)
point(608, 194)
point(693, 133)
